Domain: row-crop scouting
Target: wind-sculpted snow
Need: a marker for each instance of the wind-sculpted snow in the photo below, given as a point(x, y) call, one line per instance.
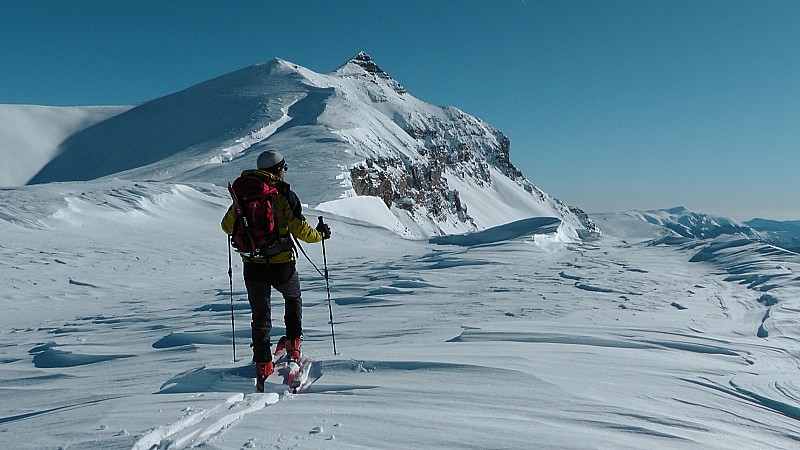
point(209, 379)
point(513, 230)
point(191, 338)
point(760, 267)
point(688, 344)
point(30, 135)
point(49, 356)
point(531, 340)
point(307, 110)
point(207, 116)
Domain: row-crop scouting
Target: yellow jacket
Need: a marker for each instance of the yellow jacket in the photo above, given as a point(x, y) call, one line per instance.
point(288, 217)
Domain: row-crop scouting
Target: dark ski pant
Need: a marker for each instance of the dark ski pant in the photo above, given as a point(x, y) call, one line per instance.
point(259, 279)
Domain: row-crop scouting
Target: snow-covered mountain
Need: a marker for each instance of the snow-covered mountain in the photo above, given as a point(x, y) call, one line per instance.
point(697, 225)
point(121, 328)
point(679, 221)
point(783, 234)
point(438, 170)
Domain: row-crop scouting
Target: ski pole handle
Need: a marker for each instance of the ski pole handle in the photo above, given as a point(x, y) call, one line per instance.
point(324, 229)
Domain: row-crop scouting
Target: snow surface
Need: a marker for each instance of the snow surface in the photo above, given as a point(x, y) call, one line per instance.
point(116, 333)
point(37, 133)
point(116, 325)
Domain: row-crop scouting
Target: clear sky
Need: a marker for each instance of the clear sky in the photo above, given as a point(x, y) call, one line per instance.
point(609, 105)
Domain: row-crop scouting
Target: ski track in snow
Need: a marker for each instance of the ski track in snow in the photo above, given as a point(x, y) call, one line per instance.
point(197, 427)
point(126, 343)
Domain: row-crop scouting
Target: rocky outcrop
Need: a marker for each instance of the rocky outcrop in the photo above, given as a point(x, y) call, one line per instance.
point(461, 146)
point(439, 144)
point(364, 61)
point(414, 187)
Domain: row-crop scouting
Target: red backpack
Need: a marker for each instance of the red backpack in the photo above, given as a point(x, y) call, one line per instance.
point(255, 232)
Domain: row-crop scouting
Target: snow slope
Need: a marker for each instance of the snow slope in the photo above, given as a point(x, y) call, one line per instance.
point(784, 234)
point(116, 334)
point(30, 136)
point(437, 169)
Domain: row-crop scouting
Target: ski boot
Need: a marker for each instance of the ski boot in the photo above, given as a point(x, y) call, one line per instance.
point(293, 349)
point(280, 349)
point(263, 370)
point(295, 377)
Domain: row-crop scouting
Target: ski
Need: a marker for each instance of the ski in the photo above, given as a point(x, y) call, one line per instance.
point(297, 376)
point(292, 374)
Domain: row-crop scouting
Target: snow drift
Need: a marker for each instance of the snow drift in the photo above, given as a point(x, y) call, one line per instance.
point(30, 135)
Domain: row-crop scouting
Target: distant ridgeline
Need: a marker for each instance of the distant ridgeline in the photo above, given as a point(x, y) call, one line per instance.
point(688, 224)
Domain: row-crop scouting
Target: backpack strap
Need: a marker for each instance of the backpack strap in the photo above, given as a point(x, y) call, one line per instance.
point(294, 202)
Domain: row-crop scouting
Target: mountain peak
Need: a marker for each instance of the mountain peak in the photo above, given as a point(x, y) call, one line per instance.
point(365, 61)
point(360, 130)
point(362, 65)
point(678, 210)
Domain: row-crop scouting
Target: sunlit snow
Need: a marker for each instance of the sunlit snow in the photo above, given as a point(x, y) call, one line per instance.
point(116, 329)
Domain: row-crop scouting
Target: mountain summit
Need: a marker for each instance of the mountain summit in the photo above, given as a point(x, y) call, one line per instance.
point(354, 133)
point(365, 63)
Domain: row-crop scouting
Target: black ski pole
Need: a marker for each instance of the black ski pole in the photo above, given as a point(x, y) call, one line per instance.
point(328, 288)
point(230, 276)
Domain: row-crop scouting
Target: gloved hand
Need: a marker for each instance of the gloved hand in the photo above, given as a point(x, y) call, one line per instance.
point(324, 229)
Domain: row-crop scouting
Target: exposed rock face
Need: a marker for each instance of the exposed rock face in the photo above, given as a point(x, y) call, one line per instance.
point(364, 61)
point(453, 144)
point(409, 187)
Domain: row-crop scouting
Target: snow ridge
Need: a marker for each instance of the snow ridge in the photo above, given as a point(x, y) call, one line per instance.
point(352, 132)
point(30, 135)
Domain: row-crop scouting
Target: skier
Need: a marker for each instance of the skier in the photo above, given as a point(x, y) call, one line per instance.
point(278, 270)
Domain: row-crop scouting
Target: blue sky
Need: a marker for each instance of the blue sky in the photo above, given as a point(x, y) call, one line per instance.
point(609, 105)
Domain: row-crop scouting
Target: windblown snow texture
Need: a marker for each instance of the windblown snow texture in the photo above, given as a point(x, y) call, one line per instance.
point(672, 329)
point(502, 338)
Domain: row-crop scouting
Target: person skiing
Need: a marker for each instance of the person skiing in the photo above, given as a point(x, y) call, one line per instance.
point(277, 269)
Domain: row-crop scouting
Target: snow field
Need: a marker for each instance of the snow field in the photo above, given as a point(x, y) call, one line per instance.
point(116, 334)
